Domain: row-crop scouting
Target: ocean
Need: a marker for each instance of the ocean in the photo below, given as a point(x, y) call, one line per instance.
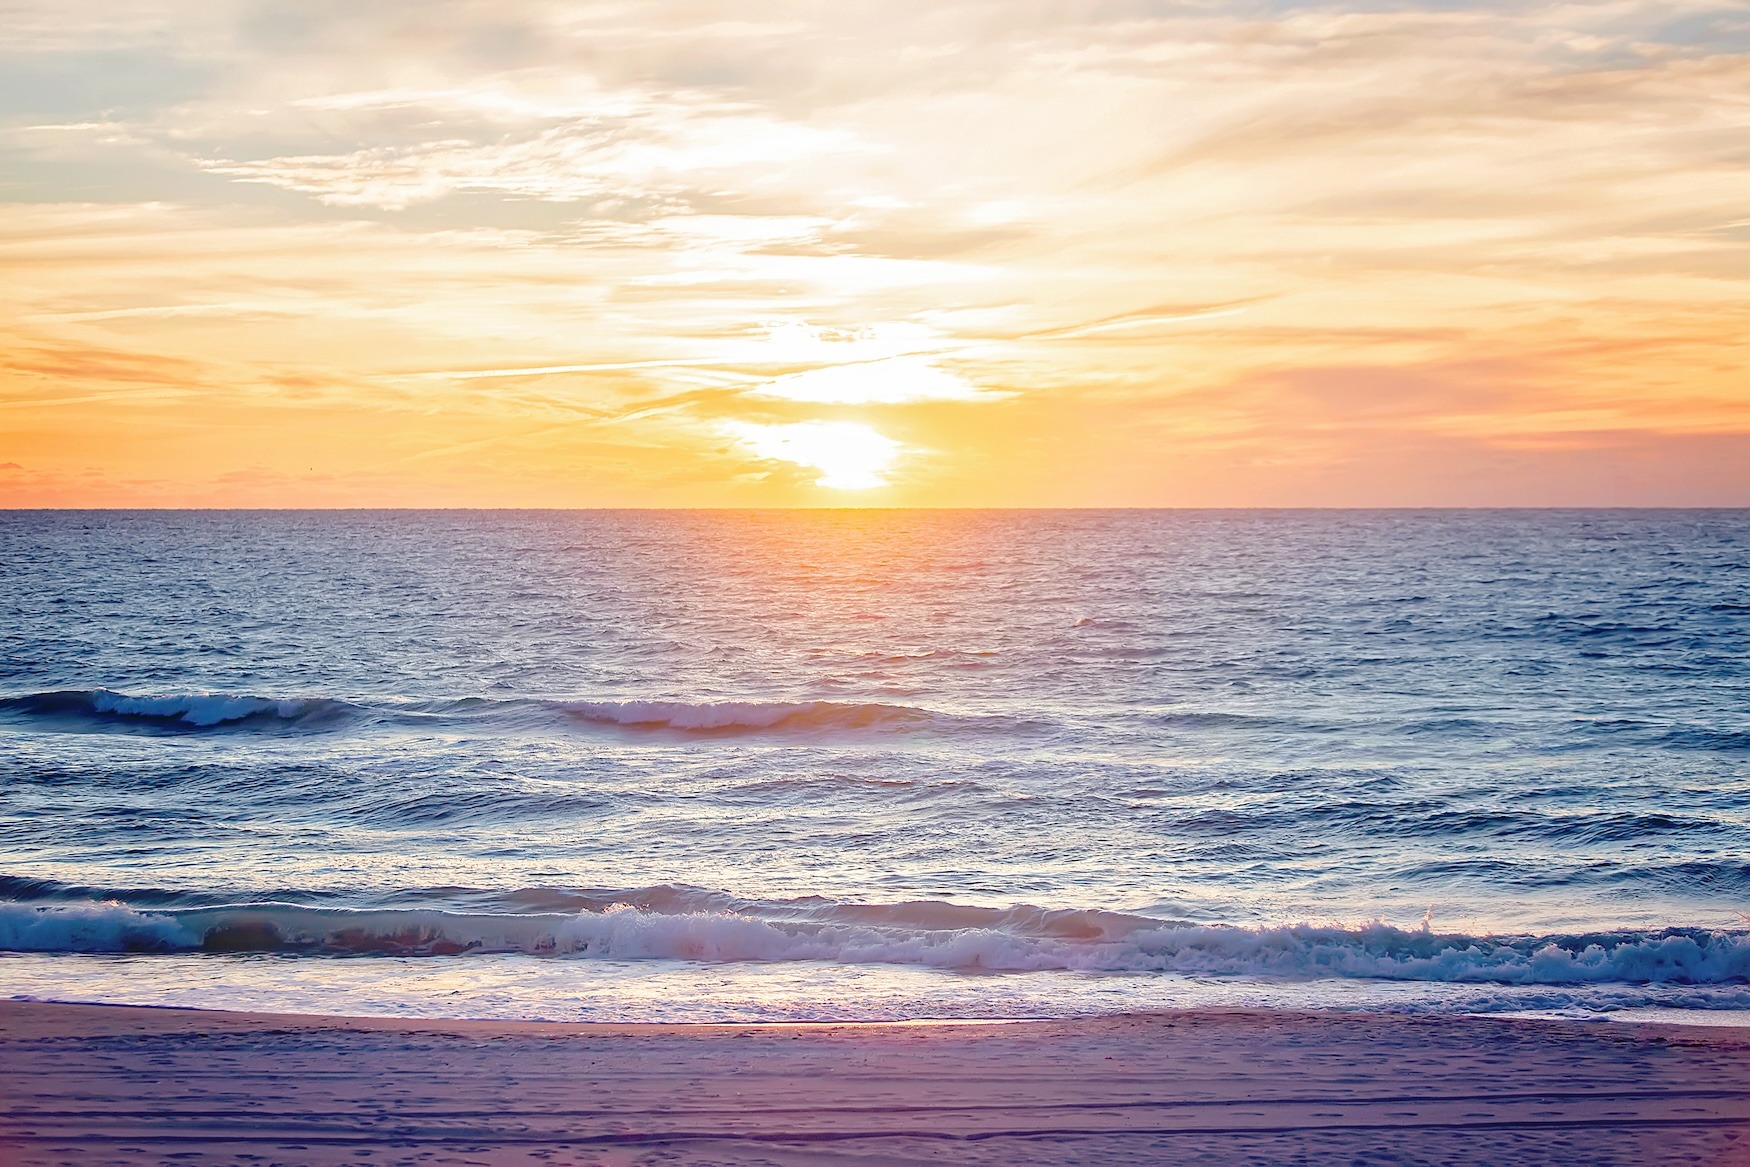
point(865, 764)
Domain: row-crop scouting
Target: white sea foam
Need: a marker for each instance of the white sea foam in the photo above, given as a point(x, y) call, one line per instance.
point(1103, 943)
point(92, 927)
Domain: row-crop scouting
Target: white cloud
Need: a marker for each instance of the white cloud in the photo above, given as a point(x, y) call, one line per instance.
point(888, 382)
point(631, 147)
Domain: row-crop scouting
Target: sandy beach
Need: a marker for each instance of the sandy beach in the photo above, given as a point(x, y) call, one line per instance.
point(90, 1084)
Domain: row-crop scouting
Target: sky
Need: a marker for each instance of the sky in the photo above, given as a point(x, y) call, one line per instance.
point(896, 253)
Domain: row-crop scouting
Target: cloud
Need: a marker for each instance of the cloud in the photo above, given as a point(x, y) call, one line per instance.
point(1147, 319)
point(54, 366)
point(633, 146)
point(1083, 239)
point(886, 382)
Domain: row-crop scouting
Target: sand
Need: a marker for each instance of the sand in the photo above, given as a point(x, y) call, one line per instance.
point(86, 1084)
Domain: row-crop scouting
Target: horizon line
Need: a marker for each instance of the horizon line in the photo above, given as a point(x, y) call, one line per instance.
point(742, 509)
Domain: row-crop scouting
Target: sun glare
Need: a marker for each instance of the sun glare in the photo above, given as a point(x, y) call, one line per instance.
point(849, 455)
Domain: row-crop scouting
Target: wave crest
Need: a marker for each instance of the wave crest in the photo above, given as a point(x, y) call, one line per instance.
point(713, 927)
point(107, 710)
point(176, 710)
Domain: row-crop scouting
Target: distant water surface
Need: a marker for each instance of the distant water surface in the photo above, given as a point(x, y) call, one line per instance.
point(875, 763)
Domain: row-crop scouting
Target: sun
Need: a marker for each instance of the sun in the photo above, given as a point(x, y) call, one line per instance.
point(849, 454)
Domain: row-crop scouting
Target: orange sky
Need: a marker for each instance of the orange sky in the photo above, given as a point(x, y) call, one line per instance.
point(1007, 252)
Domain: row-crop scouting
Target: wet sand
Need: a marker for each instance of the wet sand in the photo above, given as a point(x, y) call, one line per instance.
point(90, 1084)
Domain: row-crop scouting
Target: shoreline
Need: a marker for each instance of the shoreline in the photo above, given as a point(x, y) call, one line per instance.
point(90, 1084)
point(175, 1019)
point(1661, 1017)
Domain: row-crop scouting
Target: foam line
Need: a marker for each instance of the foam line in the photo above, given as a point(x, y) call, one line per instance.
point(1000, 940)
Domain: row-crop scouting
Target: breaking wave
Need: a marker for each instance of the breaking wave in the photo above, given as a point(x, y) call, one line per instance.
point(101, 710)
point(701, 926)
point(80, 708)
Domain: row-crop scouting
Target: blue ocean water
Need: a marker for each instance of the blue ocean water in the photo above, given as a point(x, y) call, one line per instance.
point(844, 764)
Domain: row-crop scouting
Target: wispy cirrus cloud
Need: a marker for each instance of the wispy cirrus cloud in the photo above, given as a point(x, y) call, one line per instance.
point(891, 381)
point(632, 149)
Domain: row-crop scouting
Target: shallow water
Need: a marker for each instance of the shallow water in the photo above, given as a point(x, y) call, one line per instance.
point(860, 764)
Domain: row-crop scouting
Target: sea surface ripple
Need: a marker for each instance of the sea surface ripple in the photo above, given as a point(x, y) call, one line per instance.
point(784, 764)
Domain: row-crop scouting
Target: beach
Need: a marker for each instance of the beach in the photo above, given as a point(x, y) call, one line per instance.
point(90, 1084)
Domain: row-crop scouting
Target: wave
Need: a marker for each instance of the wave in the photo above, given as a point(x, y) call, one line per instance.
point(105, 710)
point(730, 716)
point(696, 925)
point(74, 708)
